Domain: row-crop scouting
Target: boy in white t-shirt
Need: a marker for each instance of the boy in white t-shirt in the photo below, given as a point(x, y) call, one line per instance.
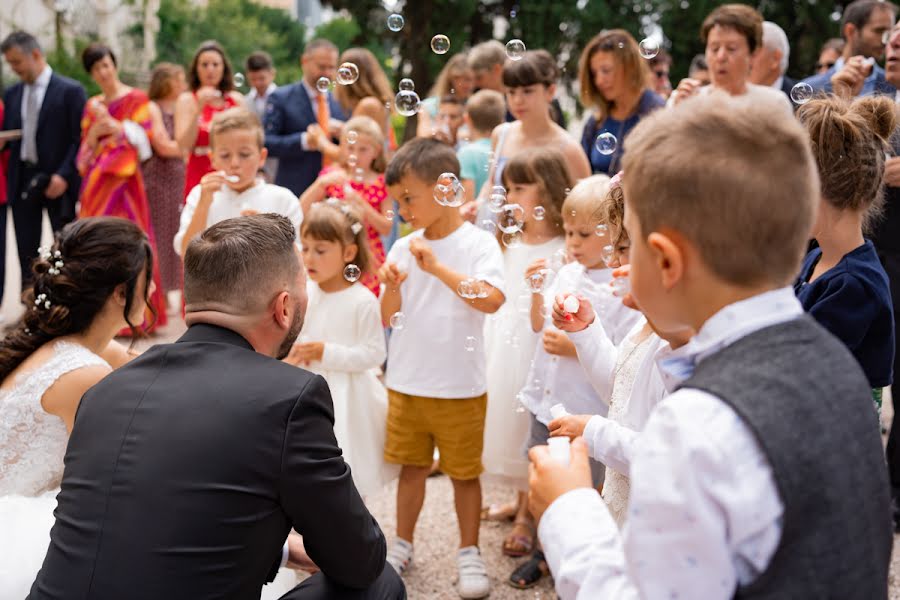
point(435, 371)
point(234, 189)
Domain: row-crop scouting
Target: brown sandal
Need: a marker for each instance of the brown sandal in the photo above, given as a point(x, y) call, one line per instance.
point(499, 512)
point(517, 545)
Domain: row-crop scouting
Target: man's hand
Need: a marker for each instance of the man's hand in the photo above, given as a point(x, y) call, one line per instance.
point(423, 254)
point(558, 343)
point(850, 79)
point(576, 321)
point(297, 556)
point(313, 136)
point(571, 426)
point(549, 479)
point(56, 188)
point(892, 172)
point(305, 353)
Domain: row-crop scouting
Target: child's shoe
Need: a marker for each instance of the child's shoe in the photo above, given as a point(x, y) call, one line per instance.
point(473, 577)
point(400, 555)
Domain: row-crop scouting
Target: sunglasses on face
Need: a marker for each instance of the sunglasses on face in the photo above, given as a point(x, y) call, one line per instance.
point(661, 74)
point(825, 65)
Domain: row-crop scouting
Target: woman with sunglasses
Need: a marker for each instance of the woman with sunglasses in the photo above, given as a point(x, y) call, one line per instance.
point(614, 81)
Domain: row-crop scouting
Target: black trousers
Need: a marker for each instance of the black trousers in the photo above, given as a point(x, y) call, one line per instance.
point(388, 586)
point(27, 214)
point(891, 262)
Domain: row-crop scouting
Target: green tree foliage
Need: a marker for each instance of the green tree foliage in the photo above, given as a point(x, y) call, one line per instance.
point(241, 26)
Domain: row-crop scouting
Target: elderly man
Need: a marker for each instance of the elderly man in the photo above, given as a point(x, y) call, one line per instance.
point(855, 73)
point(771, 61)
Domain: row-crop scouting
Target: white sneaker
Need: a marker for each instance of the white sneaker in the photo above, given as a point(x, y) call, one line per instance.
point(473, 577)
point(400, 555)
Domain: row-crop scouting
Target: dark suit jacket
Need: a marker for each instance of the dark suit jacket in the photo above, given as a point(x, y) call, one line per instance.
point(787, 84)
point(878, 86)
point(185, 471)
point(58, 137)
point(288, 113)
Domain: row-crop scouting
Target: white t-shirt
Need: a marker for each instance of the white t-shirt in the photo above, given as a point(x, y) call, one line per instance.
point(226, 204)
point(428, 356)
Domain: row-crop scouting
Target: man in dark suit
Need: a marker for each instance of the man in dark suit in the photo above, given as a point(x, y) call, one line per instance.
point(863, 27)
point(47, 107)
point(770, 62)
point(293, 108)
point(187, 467)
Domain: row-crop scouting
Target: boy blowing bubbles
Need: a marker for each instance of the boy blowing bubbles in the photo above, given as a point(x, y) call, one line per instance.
point(718, 468)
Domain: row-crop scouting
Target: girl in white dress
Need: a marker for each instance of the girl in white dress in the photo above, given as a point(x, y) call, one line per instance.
point(536, 180)
point(88, 286)
point(343, 339)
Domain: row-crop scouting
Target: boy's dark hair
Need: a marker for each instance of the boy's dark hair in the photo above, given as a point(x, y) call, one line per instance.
point(537, 66)
point(858, 13)
point(259, 61)
point(94, 53)
point(486, 109)
point(424, 158)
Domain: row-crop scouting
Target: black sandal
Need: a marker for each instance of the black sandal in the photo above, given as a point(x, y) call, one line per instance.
point(529, 573)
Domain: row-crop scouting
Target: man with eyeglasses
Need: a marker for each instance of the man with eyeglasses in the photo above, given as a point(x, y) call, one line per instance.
point(864, 27)
point(659, 67)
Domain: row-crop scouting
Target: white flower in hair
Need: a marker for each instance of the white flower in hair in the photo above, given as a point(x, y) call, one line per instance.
point(332, 201)
point(44, 252)
point(356, 228)
point(42, 299)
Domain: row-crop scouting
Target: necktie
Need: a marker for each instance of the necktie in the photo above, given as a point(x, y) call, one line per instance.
point(29, 127)
point(323, 117)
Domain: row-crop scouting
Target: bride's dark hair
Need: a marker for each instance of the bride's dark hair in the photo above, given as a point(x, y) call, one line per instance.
point(96, 255)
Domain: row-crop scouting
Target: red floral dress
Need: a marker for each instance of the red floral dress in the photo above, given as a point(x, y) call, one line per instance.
point(375, 194)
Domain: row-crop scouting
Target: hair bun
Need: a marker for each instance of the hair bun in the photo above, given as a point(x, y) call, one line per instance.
point(879, 113)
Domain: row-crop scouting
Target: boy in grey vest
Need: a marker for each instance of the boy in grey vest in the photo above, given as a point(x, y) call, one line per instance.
point(762, 475)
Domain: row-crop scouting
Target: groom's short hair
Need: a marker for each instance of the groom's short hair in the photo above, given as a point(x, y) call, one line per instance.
point(240, 264)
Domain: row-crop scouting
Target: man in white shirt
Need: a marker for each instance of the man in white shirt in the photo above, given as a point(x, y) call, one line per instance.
point(737, 481)
point(261, 77)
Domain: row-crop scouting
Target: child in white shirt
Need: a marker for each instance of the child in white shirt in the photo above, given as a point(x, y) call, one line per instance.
point(234, 189)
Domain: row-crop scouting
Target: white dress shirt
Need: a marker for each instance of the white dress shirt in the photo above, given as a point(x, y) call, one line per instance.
point(258, 102)
point(704, 514)
point(226, 204)
point(39, 89)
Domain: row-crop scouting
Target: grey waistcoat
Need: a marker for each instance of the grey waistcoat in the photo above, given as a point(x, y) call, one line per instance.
point(809, 406)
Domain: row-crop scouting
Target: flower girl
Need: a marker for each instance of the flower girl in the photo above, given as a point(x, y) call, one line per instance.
point(342, 338)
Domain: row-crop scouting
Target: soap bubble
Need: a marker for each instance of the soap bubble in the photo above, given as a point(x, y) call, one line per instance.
point(389, 214)
point(398, 320)
point(440, 44)
point(347, 73)
point(407, 103)
point(497, 199)
point(607, 253)
point(395, 22)
point(511, 218)
point(489, 226)
point(323, 84)
point(352, 273)
point(606, 143)
point(351, 160)
point(620, 286)
point(239, 80)
point(471, 343)
point(537, 282)
point(358, 174)
point(515, 49)
point(449, 191)
point(512, 240)
point(466, 289)
point(558, 260)
point(352, 136)
point(649, 48)
point(481, 289)
point(801, 93)
point(539, 213)
point(407, 84)
point(601, 229)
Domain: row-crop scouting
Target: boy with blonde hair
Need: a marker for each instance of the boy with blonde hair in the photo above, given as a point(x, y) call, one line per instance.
point(762, 475)
point(485, 110)
point(435, 369)
point(234, 188)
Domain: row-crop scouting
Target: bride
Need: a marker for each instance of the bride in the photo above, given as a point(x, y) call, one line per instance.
point(89, 285)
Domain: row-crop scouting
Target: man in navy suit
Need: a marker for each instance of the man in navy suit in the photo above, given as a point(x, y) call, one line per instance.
point(42, 175)
point(864, 26)
point(291, 109)
point(771, 60)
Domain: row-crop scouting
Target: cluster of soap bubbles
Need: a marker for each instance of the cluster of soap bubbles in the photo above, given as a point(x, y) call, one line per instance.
point(347, 73)
point(352, 273)
point(440, 44)
point(649, 48)
point(801, 93)
point(449, 191)
point(606, 143)
point(472, 288)
point(497, 199)
point(515, 49)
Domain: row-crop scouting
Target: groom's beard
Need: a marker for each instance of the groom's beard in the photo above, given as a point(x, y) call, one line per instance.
point(291, 336)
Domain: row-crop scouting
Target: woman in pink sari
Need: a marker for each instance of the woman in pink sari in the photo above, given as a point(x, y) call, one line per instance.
point(115, 137)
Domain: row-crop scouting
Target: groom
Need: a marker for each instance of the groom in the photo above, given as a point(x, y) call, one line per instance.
point(188, 467)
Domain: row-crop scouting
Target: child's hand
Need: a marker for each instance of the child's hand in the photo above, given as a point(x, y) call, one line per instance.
point(355, 201)
point(558, 343)
point(211, 183)
point(535, 267)
point(336, 177)
point(305, 353)
point(423, 254)
point(548, 479)
point(391, 275)
point(571, 426)
point(576, 321)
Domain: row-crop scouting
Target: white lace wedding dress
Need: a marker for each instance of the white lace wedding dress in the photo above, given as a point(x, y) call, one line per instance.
point(32, 446)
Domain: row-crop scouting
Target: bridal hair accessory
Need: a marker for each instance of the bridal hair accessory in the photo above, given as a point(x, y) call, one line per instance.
point(356, 228)
point(57, 264)
point(42, 300)
point(616, 181)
